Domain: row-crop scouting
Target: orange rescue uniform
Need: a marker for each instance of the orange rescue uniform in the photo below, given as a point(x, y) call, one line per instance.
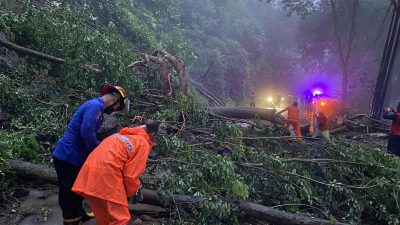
point(294, 120)
point(111, 174)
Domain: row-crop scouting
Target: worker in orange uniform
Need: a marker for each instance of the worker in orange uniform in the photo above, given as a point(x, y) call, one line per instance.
point(293, 118)
point(323, 126)
point(310, 116)
point(111, 173)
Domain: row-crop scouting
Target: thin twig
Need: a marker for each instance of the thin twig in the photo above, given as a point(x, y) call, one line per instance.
point(324, 160)
point(183, 125)
point(313, 180)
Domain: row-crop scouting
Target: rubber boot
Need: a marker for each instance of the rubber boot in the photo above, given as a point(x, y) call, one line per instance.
point(87, 216)
point(73, 221)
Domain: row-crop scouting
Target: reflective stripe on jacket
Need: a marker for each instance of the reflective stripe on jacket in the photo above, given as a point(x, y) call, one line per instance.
point(112, 170)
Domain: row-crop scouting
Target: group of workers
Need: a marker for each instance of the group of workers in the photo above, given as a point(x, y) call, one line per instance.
point(317, 122)
point(320, 123)
point(106, 173)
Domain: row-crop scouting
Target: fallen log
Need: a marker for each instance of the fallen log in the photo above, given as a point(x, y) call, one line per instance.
point(212, 99)
point(339, 130)
point(279, 217)
point(249, 209)
point(30, 52)
point(244, 113)
point(151, 210)
point(370, 119)
point(32, 171)
point(44, 173)
point(40, 55)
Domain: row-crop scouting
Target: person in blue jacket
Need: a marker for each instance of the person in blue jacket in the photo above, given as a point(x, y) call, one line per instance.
point(78, 140)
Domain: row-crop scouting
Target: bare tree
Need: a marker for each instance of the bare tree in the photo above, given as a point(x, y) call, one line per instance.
point(345, 43)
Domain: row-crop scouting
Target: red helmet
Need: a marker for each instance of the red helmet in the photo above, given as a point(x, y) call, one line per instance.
point(124, 101)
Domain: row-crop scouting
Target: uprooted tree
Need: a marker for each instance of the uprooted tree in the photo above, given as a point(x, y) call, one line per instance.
point(158, 61)
point(219, 159)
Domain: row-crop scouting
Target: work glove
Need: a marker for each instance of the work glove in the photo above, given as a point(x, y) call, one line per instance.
point(138, 196)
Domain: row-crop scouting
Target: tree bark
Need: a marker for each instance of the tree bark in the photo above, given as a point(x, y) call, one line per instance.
point(251, 210)
point(212, 99)
point(151, 210)
point(344, 54)
point(40, 55)
point(179, 67)
point(165, 76)
point(31, 52)
point(32, 171)
point(385, 71)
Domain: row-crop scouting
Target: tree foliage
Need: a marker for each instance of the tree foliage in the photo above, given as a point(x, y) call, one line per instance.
point(224, 45)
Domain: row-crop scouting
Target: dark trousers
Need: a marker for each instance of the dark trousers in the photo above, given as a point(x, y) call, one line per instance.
point(394, 144)
point(70, 202)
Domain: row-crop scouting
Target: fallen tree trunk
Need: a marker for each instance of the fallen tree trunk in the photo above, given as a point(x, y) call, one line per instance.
point(30, 52)
point(151, 210)
point(33, 171)
point(40, 55)
point(370, 119)
point(212, 99)
point(244, 113)
point(279, 217)
point(339, 130)
point(249, 209)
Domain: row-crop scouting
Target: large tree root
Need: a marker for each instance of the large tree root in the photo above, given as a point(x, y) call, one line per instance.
point(163, 69)
point(161, 58)
point(179, 67)
point(249, 209)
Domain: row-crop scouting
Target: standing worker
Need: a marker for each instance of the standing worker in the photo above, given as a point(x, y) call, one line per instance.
point(323, 126)
point(253, 99)
point(78, 140)
point(310, 117)
point(111, 173)
point(394, 138)
point(293, 118)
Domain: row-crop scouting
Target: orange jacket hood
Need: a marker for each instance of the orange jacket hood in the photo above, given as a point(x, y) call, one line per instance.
point(136, 131)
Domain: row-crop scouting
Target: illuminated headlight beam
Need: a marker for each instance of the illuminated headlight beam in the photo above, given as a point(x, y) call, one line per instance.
point(317, 92)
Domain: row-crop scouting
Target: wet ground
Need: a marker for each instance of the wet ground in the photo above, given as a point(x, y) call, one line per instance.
point(39, 207)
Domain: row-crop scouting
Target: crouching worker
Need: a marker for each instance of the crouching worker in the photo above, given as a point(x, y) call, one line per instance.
point(111, 173)
point(323, 125)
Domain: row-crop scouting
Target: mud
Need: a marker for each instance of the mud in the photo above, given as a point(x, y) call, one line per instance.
point(39, 207)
